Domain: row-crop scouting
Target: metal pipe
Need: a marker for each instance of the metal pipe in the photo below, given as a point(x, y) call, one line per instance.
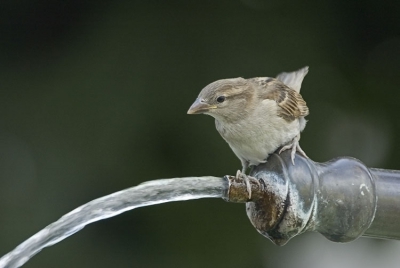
point(386, 223)
point(342, 199)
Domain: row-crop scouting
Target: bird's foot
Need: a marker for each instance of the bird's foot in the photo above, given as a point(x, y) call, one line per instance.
point(294, 145)
point(246, 179)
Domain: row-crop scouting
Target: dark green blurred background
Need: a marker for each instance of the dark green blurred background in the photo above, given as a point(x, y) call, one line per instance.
point(94, 97)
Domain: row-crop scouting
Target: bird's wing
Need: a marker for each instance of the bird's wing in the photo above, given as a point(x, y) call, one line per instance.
point(290, 102)
point(293, 79)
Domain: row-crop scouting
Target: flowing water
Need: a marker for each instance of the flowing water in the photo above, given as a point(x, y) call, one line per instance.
point(145, 194)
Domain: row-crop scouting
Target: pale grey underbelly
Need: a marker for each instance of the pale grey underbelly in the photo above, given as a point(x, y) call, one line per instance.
point(255, 145)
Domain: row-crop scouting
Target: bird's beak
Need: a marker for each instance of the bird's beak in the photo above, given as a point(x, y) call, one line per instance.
point(199, 107)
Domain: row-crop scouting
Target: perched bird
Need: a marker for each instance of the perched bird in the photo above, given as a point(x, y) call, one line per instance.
point(256, 116)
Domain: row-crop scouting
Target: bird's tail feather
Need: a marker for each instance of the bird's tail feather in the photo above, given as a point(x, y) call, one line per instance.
point(293, 79)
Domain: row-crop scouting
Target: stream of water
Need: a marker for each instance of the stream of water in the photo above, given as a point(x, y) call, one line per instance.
point(145, 194)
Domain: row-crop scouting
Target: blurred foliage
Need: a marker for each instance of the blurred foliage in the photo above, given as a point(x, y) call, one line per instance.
point(94, 97)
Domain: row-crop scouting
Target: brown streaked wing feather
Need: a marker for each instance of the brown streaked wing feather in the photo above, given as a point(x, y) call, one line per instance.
point(290, 101)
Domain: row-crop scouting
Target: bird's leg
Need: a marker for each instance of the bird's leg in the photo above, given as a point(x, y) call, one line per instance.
point(294, 145)
point(246, 179)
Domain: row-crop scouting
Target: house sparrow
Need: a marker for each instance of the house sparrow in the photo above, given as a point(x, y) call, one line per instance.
point(256, 116)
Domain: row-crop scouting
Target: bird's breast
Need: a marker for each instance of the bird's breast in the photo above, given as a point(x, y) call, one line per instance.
point(253, 140)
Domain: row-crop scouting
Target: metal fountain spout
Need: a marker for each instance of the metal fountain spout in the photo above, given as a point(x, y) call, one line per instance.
point(342, 199)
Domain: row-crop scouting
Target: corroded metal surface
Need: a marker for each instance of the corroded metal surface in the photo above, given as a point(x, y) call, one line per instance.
point(237, 190)
point(289, 206)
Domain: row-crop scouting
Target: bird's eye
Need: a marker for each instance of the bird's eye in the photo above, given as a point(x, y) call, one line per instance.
point(221, 99)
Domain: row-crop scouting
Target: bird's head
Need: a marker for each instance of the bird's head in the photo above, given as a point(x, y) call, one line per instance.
point(225, 99)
